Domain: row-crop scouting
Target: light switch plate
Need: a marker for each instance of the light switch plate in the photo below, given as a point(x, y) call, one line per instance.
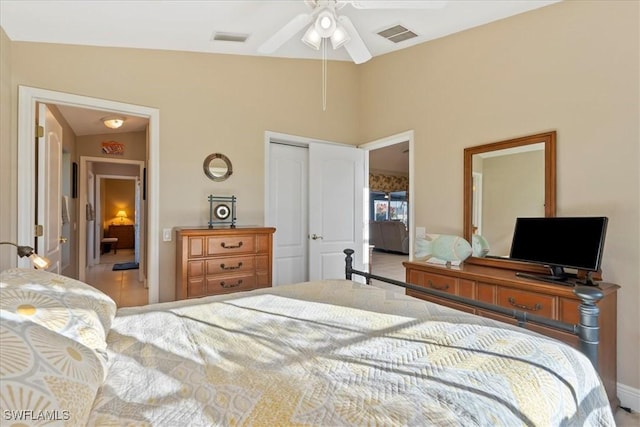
point(166, 234)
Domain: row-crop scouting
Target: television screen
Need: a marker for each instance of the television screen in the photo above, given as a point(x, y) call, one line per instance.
point(572, 242)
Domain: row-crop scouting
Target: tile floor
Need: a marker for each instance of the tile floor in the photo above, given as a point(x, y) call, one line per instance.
point(388, 265)
point(122, 286)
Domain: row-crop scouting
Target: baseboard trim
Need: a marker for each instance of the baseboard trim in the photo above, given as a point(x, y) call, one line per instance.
point(629, 397)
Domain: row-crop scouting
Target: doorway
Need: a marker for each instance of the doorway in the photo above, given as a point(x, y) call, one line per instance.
point(400, 148)
point(28, 98)
point(391, 209)
point(105, 212)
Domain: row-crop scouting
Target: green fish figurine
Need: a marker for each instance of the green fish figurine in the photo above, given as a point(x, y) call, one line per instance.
point(442, 249)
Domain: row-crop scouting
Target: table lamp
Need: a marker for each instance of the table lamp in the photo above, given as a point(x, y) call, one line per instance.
point(122, 215)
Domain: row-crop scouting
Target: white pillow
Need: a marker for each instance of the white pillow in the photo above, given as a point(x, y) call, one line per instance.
point(45, 375)
point(61, 304)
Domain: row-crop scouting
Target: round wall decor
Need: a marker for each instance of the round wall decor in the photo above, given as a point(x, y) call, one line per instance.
point(217, 167)
point(222, 211)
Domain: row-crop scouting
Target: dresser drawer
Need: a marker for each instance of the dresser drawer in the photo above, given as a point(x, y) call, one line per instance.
point(222, 260)
point(568, 310)
point(439, 283)
point(542, 305)
point(226, 284)
point(238, 264)
point(226, 245)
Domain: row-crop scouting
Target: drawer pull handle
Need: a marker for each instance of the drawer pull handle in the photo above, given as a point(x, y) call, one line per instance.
point(222, 266)
point(230, 285)
point(536, 307)
point(224, 245)
point(439, 288)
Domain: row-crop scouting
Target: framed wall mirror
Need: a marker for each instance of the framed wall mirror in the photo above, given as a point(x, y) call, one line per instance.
point(217, 167)
point(505, 180)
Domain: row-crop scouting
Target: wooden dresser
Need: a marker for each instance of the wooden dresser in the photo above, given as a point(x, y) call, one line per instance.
point(502, 287)
point(222, 260)
point(125, 235)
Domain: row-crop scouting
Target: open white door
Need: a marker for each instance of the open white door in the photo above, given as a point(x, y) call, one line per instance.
point(49, 203)
point(336, 209)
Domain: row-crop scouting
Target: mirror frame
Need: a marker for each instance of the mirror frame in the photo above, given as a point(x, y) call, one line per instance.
point(549, 140)
point(207, 169)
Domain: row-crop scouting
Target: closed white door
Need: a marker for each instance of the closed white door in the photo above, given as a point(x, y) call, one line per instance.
point(288, 205)
point(316, 203)
point(49, 200)
point(336, 209)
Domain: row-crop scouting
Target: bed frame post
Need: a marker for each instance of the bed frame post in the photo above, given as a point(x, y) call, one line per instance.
point(348, 263)
point(588, 328)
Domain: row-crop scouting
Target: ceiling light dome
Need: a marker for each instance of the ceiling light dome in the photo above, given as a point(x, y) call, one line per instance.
point(113, 122)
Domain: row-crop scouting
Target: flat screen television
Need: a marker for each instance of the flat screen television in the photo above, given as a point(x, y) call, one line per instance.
point(559, 243)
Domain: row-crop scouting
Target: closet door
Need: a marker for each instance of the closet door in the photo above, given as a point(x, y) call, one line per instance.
point(289, 213)
point(336, 209)
point(315, 202)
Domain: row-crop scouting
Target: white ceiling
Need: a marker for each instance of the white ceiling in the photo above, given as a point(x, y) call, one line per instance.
point(187, 25)
point(89, 122)
point(393, 159)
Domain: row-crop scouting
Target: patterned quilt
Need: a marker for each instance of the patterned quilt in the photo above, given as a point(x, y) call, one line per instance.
point(337, 353)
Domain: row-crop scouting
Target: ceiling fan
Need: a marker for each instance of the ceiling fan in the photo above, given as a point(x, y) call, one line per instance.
point(323, 22)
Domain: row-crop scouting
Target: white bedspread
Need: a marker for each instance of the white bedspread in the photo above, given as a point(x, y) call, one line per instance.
point(337, 353)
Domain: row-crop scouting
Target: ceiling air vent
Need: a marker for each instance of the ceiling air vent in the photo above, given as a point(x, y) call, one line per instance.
point(397, 33)
point(229, 37)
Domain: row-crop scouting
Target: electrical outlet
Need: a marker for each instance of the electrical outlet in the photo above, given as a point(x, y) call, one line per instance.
point(166, 234)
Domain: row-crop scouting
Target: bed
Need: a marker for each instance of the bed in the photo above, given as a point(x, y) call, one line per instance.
point(329, 353)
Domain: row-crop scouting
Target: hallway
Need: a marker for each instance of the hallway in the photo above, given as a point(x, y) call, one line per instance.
point(122, 286)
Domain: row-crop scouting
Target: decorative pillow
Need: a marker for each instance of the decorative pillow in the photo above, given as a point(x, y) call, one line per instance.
point(45, 376)
point(59, 303)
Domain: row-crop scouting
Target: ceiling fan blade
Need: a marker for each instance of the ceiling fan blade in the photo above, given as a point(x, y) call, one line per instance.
point(285, 33)
point(356, 47)
point(398, 4)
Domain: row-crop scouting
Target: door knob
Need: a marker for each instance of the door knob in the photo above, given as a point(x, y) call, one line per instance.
point(314, 236)
point(63, 240)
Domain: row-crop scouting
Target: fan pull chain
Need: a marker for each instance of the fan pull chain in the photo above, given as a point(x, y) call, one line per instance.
point(324, 74)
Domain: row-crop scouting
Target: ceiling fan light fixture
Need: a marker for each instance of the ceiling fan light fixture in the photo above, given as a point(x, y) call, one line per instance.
point(339, 37)
point(113, 122)
point(325, 23)
point(312, 38)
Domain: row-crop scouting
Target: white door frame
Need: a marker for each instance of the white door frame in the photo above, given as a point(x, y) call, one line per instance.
point(27, 99)
point(392, 140)
point(99, 207)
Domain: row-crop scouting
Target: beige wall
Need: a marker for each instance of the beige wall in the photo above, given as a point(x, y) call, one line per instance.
point(8, 157)
point(512, 186)
point(135, 145)
point(208, 103)
point(572, 67)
